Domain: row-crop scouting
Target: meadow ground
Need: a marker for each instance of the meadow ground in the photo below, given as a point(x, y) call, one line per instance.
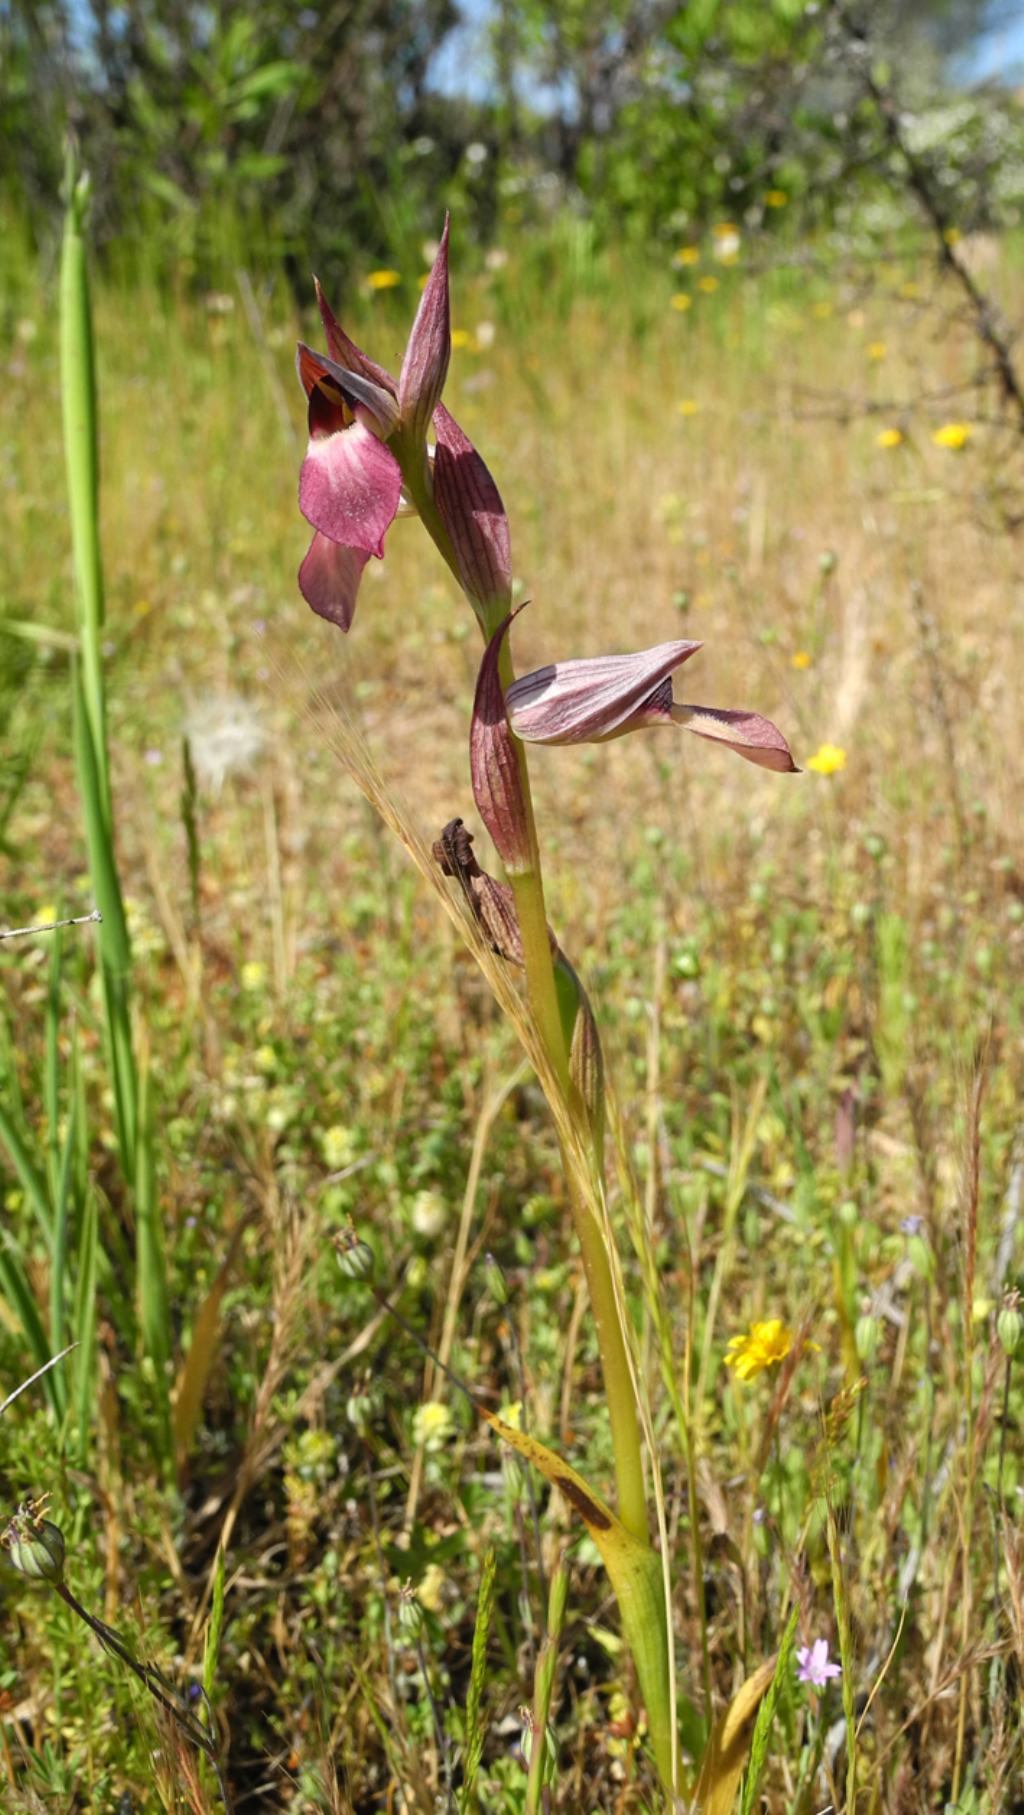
point(810, 990)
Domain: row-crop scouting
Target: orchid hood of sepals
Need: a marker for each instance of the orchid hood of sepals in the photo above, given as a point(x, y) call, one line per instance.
point(597, 698)
point(425, 365)
point(494, 763)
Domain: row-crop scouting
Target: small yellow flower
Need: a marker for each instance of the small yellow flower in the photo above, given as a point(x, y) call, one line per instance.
point(828, 759)
point(687, 255)
point(822, 310)
point(877, 350)
point(432, 1424)
point(383, 280)
point(707, 284)
point(338, 1146)
point(801, 658)
point(689, 407)
point(461, 337)
point(682, 301)
point(953, 435)
point(429, 1591)
point(888, 437)
point(254, 974)
point(776, 198)
point(763, 1346)
point(265, 1059)
point(952, 236)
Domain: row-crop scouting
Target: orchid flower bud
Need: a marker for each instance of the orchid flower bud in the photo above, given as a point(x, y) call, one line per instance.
point(428, 350)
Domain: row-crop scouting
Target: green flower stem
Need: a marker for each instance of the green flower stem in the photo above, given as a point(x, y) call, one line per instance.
point(78, 395)
point(528, 889)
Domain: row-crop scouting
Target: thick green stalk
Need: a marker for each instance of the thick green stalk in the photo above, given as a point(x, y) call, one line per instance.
point(528, 889)
point(81, 454)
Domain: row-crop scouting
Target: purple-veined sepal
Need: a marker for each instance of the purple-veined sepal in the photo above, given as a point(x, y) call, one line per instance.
point(428, 350)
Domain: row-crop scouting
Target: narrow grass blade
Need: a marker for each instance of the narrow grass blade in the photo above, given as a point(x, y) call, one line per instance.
point(61, 1217)
point(722, 1765)
point(51, 1074)
point(28, 1175)
point(766, 1716)
point(81, 455)
point(83, 1385)
point(154, 1320)
point(475, 1724)
point(214, 1628)
point(114, 947)
point(18, 1293)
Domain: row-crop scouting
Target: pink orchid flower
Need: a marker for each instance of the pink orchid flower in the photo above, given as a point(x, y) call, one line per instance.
point(362, 427)
point(602, 697)
point(350, 487)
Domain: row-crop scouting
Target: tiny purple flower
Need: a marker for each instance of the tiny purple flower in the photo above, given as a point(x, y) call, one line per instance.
point(814, 1665)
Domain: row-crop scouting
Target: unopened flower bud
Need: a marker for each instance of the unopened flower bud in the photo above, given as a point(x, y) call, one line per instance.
point(410, 1613)
point(495, 1280)
point(866, 1336)
point(1010, 1326)
point(34, 1545)
point(357, 1410)
point(355, 1257)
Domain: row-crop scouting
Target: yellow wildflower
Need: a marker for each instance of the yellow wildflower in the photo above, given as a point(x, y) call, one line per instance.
point(708, 284)
point(432, 1424)
point(682, 301)
point(254, 974)
point(952, 235)
point(338, 1146)
point(763, 1346)
point(828, 759)
point(953, 435)
point(801, 658)
point(461, 337)
point(776, 198)
point(687, 255)
point(383, 280)
point(689, 406)
point(877, 350)
point(888, 437)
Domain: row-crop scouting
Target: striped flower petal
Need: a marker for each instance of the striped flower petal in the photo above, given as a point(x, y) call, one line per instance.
point(598, 697)
point(350, 487)
point(750, 735)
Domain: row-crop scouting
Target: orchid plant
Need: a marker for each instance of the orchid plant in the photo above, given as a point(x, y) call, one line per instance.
point(370, 458)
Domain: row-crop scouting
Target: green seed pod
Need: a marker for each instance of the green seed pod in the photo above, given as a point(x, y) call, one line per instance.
point(867, 1336)
point(355, 1258)
point(410, 1613)
point(1009, 1328)
point(34, 1545)
point(495, 1280)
